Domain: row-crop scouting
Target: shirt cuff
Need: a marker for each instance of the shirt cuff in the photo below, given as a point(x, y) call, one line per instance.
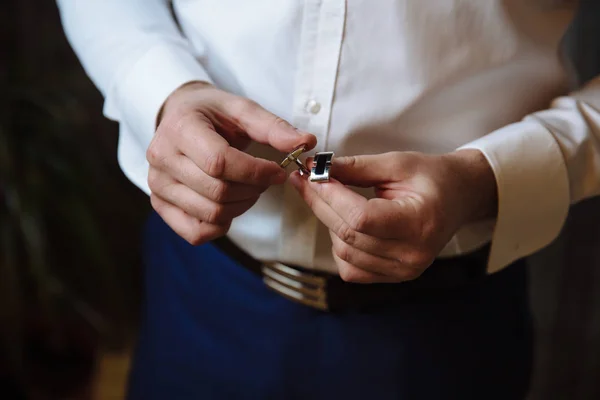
point(139, 94)
point(136, 98)
point(533, 189)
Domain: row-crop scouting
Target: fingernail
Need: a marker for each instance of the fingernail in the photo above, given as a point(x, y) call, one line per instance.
point(295, 179)
point(310, 140)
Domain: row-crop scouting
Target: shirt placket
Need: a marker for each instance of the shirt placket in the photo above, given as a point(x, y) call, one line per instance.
point(318, 60)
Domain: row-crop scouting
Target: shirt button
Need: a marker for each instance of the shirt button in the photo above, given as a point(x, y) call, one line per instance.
point(313, 106)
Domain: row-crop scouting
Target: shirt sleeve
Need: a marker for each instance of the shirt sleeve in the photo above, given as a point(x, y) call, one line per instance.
point(135, 54)
point(542, 164)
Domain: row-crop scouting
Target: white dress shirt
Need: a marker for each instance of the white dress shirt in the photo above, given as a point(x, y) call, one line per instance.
point(366, 77)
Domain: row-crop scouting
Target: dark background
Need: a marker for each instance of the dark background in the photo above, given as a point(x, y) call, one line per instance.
point(36, 59)
point(51, 352)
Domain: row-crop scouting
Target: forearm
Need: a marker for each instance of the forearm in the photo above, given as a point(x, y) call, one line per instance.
point(574, 121)
point(542, 165)
point(133, 52)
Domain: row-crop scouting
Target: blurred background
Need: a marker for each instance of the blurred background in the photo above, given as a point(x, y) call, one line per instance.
point(69, 221)
point(70, 268)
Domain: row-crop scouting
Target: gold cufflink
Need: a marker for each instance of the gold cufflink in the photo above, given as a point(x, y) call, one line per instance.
point(293, 158)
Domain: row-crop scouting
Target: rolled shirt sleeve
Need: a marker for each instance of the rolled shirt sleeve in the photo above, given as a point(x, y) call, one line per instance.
point(135, 54)
point(542, 164)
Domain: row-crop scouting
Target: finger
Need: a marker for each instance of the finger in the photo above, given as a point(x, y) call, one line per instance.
point(388, 248)
point(189, 228)
point(267, 128)
point(381, 218)
point(352, 274)
point(213, 155)
point(198, 206)
point(345, 202)
point(372, 263)
point(364, 170)
point(184, 170)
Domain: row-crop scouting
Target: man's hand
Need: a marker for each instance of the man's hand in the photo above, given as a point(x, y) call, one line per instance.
point(421, 201)
point(199, 176)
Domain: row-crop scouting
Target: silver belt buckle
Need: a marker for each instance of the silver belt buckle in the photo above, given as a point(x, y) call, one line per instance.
point(295, 285)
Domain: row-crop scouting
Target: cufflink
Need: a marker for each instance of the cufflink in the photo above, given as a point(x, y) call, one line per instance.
point(321, 167)
point(293, 158)
point(321, 164)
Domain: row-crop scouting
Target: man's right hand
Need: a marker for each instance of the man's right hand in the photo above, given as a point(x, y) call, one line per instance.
point(199, 176)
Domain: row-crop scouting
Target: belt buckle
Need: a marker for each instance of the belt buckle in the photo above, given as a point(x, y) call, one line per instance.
point(295, 285)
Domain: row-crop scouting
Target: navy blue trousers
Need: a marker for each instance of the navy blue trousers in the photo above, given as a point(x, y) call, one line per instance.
point(212, 330)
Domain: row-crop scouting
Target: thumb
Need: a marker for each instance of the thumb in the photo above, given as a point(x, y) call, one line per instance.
point(266, 128)
point(364, 170)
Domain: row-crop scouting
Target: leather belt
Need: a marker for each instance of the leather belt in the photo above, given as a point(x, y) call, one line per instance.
point(329, 292)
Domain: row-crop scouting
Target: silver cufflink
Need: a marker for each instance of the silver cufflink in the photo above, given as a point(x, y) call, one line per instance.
point(321, 167)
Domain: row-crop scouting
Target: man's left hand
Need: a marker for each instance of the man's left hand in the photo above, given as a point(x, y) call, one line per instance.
point(420, 202)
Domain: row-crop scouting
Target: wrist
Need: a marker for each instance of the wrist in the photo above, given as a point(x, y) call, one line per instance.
point(476, 184)
point(176, 95)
